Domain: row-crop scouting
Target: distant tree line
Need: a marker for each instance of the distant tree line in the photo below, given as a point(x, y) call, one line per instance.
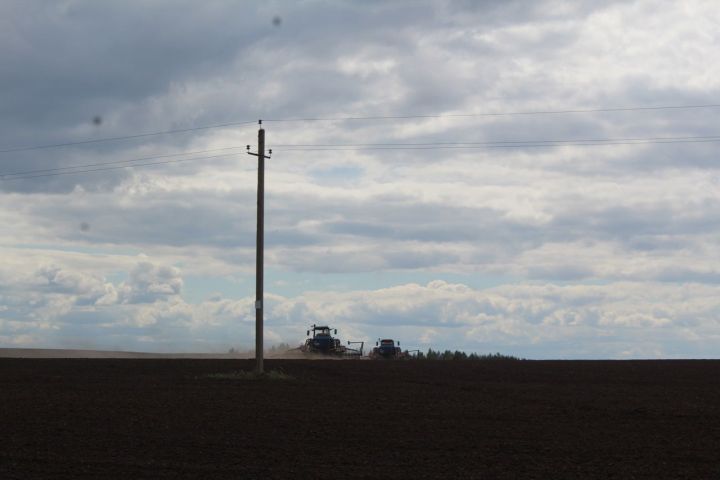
point(460, 355)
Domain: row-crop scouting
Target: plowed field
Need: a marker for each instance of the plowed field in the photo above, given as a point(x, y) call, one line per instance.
point(149, 418)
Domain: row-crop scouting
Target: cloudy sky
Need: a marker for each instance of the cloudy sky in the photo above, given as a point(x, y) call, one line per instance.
point(585, 234)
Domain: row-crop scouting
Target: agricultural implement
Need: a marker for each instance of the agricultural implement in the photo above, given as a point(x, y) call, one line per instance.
point(387, 349)
point(322, 342)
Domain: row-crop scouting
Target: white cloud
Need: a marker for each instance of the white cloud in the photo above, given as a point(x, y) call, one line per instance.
point(149, 282)
point(547, 320)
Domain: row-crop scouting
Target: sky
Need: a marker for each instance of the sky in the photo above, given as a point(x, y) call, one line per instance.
point(479, 219)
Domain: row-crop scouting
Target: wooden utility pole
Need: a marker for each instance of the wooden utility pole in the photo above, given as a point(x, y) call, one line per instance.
point(259, 248)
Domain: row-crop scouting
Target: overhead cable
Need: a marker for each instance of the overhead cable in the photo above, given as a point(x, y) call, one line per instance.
point(351, 118)
point(125, 137)
point(70, 167)
point(116, 167)
point(579, 140)
point(483, 145)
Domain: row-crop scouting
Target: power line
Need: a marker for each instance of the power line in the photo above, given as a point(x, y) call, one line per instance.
point(494, 114)
point(500, 142)
point(118, 164)
point(481, 145)
point(125, 137)
point(71, 170)
point(70, 167)
point(473, 147)
point(351, 118)
point(117, 167)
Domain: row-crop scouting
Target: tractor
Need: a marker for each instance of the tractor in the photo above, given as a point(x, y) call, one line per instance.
point(386, 348)
point(323, 342)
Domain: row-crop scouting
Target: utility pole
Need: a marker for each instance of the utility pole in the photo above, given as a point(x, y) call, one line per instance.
point(259, 248)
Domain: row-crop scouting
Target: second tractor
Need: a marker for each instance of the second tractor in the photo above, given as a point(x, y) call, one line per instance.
point(388, 349)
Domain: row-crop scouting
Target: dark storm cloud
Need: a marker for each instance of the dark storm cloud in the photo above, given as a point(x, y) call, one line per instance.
point(72, 62)
point(75, 59)
point(152, 67)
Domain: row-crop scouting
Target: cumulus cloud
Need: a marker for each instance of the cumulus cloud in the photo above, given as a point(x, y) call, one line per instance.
point(150, 282)
point(618, 320)
point(549, 320)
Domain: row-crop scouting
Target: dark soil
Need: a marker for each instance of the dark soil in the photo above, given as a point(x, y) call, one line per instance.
point(111, 418)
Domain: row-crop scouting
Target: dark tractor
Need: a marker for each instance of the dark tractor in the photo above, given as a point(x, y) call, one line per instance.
point(386, 348)
point(323, 342)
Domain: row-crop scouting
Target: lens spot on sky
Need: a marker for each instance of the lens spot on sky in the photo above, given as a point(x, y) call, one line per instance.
point(97, 120)
point(84, 226)
point(277, 21)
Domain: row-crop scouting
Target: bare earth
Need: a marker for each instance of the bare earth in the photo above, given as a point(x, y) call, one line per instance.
point(176, 418)
point(64, 353)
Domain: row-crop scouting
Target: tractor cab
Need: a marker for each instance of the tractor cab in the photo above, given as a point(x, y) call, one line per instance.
point(322, 340)
point(320, 331)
